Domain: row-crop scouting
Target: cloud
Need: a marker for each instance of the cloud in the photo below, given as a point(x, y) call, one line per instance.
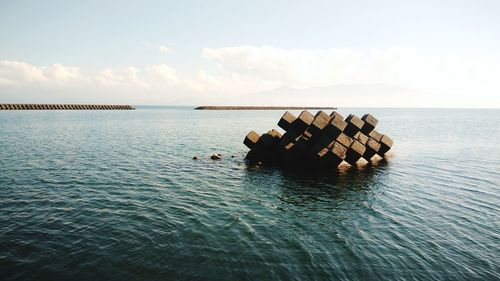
point(165, 49)
point(448, 79)
point(158, 77)
point(300, 68)
point(22, 73)
point(293, 68)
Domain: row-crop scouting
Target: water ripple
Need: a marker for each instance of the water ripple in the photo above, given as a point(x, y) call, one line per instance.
point(101, 195)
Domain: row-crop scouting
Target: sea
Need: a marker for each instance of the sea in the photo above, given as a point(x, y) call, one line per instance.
point(116, 195)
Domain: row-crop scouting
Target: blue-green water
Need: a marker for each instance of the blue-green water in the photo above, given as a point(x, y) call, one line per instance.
point(115, 195)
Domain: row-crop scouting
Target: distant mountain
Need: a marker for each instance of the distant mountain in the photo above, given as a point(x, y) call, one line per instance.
point(356, 95)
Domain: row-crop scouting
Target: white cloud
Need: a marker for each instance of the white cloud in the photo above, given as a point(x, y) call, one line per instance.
point(293, 68)
point(296, 68)
point(123, 77)
point(22, 73)
point(16, 72)
point(158, 77)
point(447, 80)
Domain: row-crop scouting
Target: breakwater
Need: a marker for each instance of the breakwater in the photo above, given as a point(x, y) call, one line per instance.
point(25, 106)
point(210, 107)
point(319, 141)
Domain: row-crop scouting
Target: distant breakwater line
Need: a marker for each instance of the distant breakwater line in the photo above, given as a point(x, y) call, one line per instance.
point(24, 106)
point(210, 107)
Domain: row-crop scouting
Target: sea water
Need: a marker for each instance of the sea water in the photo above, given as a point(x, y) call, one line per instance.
point(116, 195)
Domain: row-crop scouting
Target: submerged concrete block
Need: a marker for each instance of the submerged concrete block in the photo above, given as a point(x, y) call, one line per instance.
point(327, 159)
point(297, 152)
point(370, 123)
point(251, 140)
point(372, 148)
point(354, 125)
point(266, 141)
point(286, 121)
point(339, 152)
point(354, 152)
point(385, 144)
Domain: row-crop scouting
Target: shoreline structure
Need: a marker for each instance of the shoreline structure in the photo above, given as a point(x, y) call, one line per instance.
point(25, 106)
point(230, 107)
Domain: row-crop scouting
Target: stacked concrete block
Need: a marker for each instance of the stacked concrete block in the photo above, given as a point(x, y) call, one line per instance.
point(322, 140)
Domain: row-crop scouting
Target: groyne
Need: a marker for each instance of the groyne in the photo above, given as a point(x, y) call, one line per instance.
point(26, 106)
point(230, 107)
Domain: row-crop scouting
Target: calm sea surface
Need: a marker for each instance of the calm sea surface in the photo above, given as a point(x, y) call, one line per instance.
point(115, 195)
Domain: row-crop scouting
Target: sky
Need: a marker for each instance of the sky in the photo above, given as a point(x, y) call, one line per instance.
point(307, 53)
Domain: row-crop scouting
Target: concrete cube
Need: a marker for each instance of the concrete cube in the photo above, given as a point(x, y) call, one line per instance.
point(385, 144)
point(303, 121)
point(316, 147)
point(324, 140)
point(266, 141)
point(321, 119)
point(354, 125)
point(375, 135)
point(251, 139)
point(362, 138)
point(286, 139)
point(372, 148)
point(335, 126)
point(345, 140)
point(338, 153)
point(307, 135)
point(354, 152)
point(326, 159)
point(339, 150)
point(286, 121)
point(370, 123)
point(274, 133)
point(336, 114)
point(297, 152)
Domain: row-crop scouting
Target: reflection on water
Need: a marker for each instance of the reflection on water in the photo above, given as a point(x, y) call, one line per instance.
point(300, 186)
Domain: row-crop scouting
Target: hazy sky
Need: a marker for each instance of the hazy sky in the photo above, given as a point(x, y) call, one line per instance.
point(339, 53)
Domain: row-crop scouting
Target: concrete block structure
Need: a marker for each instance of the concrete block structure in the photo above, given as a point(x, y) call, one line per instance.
point(16, 106)
point(322, 141)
